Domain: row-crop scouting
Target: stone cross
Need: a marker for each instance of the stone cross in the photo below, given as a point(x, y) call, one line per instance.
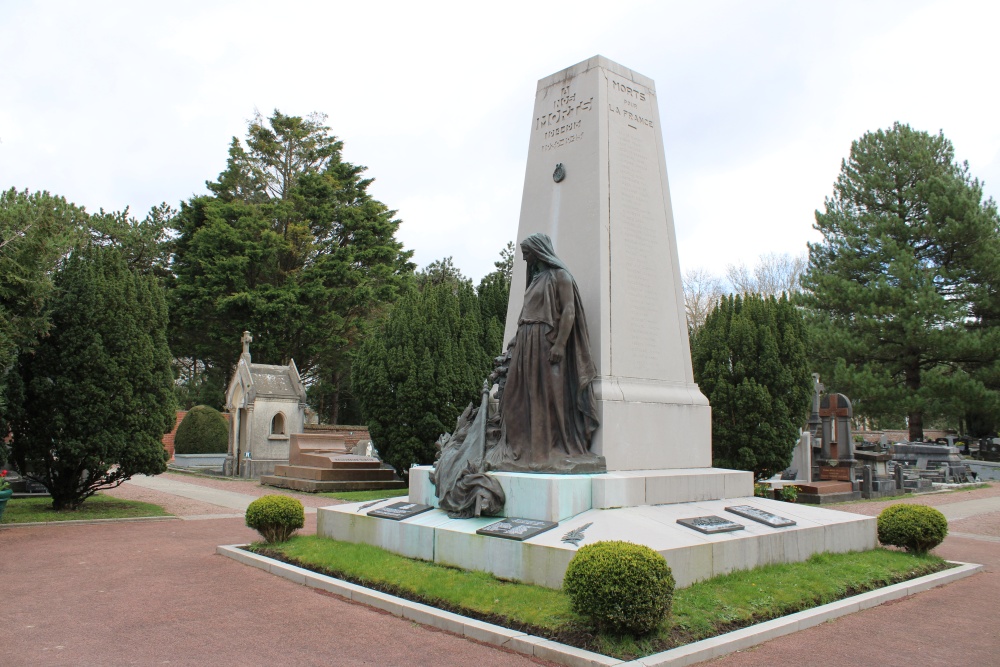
point(246, 340)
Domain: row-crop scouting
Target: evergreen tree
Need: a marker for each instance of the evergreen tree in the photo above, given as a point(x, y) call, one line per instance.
point(493, 293)
point(93, 400)
point(291, 247)
point(903, 286)
point(749, 359)
point(36, 230)
point(420, 370)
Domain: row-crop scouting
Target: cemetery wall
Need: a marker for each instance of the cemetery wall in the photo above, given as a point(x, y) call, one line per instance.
point(168, 439)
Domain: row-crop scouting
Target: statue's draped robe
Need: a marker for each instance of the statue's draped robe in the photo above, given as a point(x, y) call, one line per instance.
point(549, 411)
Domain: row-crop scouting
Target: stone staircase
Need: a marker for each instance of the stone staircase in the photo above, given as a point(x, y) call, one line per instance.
point(323, 462)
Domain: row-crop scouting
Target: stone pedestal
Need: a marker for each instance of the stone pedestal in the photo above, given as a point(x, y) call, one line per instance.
point(560, 497)
point(543, 559)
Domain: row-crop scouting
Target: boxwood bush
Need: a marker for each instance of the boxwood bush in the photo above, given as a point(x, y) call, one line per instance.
point(916, 528)
point(620, 587)
point(202, 431)
point(275, 517)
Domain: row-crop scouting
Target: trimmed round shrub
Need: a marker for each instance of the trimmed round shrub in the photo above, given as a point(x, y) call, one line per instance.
point(916, 528)
point(275, 517)
point(202, 431)
point(621, 587)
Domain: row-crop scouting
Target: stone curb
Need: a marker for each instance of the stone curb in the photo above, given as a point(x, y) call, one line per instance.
point(574, 657)
point(84, 522)
point(739, 640)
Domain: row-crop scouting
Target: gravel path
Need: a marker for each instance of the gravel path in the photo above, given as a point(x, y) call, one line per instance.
point(187, 507)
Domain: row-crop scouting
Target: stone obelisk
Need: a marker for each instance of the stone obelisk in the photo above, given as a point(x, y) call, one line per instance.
point(596, 182)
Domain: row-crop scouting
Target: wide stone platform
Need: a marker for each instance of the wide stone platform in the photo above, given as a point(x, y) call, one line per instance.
point(349, 474)
point(324, 463)
point(543, 559)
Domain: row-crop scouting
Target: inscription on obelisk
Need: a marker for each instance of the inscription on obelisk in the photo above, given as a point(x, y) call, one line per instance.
point(608, 213)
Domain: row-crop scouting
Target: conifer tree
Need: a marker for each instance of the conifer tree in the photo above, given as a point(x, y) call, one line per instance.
point(493, 294)
point(749, 360)
point(903, 286)
point(36, 230)
point(291, 246)
point(92, 402)
point(420, 370)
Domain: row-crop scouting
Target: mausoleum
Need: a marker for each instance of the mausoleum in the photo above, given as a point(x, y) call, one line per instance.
point(266, 403)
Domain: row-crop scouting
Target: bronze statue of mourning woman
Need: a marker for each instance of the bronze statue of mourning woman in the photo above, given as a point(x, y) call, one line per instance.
point(544, 413)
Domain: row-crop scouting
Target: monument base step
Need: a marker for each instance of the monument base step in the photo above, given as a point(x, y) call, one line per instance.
point(552, 497)
point(313, 486)
point(338, 473)
point(542, 559)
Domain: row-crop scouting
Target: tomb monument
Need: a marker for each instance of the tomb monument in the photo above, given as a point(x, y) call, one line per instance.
point(596, 200)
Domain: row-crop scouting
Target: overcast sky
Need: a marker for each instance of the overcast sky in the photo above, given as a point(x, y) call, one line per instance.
point(115, 104)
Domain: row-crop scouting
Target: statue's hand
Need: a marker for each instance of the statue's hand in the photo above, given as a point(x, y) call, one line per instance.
point(557, 353)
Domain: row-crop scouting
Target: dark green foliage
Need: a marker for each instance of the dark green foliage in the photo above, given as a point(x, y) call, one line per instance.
point(93, 400)
point(420, 370)
point(275, 517)
point(750, 361)
point(291, 247)
point(36, 230)
point(789, 493)
point(493, 294)
point(202, 431)
point(903, 286)
point(916, 528)
point(621, 587)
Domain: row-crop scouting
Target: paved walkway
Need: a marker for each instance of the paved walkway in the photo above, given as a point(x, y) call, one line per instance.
point(173, 485)
point(145, 593)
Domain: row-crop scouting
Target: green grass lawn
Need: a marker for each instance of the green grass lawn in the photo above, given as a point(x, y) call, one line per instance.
point(361, 496)
point(31, 510)
point(706, 609)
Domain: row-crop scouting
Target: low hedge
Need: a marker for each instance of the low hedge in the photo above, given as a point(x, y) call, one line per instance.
point(275, 517)
point(202, 431)
point(621, 587)
point(916, 528)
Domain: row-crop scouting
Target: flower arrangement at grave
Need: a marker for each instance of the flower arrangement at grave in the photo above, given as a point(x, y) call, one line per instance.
point(4, 484)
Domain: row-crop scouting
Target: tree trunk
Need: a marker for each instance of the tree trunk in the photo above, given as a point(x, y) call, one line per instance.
point(915, 417)
point(334, 406)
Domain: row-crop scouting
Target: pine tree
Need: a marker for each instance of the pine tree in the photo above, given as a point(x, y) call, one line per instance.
point(94, 399)
point(903, 287)
point(420, 370)
point(749, 360)
point(290, 246)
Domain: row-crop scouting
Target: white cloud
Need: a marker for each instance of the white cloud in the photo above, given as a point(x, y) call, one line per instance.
point(113, 104)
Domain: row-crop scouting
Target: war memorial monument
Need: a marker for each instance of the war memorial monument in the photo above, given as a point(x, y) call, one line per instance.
point(592, 427)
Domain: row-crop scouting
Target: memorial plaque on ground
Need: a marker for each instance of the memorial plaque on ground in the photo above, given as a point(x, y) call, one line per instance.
point(760, 516)
point(516, 529)
point(399, 511)
point(710, 524)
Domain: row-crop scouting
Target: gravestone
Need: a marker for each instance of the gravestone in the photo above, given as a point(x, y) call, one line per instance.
point(836, 461)
point(596, 183)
